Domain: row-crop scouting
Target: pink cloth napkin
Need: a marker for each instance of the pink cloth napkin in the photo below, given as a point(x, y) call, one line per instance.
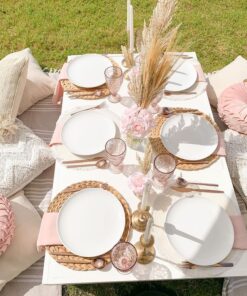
point(221, 151)
point(240, 232)
point(56, 137)
point(58, 93)
point(48, 235)
point(200, 74)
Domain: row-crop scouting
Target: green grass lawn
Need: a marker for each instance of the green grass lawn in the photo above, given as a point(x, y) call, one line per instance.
point(215, 29)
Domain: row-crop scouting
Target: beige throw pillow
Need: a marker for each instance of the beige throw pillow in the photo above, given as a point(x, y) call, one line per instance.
point(234, 72)
point(13, 74)
point(22, 252)
point(38, 84)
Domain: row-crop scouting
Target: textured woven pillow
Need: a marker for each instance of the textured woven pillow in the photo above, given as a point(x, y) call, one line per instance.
point(13, 74)
point(22, 158)
point(234, 72)
point(23, 251)
point(236, 157)
point(38, 84)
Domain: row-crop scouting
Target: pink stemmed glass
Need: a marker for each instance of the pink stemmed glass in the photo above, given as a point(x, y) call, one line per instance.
point(164, 167)
point(115, 149)
point(124, 256)
point(114, 79)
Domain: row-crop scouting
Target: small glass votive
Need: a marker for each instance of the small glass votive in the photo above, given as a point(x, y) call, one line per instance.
point(124, 256)
point(163, 168)
point(115, 149)
point(114, 79)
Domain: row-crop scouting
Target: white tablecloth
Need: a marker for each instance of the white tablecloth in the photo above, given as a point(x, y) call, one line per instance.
point(160, 268)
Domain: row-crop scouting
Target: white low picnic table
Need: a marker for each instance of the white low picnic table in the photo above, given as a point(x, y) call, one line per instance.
point(159, 269)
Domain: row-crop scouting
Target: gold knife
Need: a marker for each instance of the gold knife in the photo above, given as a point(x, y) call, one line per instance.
point(188, 189)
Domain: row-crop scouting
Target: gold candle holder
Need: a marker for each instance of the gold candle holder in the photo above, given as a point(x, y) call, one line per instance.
point(145, 250)
point(139, 220)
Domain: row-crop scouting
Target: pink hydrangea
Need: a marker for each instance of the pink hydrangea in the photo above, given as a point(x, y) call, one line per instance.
point(137, 121)
point(137, 182)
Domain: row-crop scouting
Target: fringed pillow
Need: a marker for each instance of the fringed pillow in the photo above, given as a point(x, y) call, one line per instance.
point(13, 74)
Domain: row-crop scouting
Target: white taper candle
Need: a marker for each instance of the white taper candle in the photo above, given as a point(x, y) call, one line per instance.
point(145, 195)
point(147, 233)
point(128, 15)
point(131, 29)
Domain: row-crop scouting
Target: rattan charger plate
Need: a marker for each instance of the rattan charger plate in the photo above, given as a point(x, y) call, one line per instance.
point(86, 93)
point(158, 147)
point(63, 256)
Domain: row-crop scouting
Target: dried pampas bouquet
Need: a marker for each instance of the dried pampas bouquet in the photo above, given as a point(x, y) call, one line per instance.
point(155, 59)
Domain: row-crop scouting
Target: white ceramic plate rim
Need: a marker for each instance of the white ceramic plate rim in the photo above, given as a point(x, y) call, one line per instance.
point(192, 79)
point(193, 157)
point(93, 150)
point(231, 231)
point(101, 252)
point(93, 82)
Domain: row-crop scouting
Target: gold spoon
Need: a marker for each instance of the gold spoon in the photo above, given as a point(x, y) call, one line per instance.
point(100, 164)
point(181, 182)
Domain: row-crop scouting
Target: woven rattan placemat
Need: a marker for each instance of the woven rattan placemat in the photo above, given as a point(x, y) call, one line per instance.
point(87, 93)
point(158, 147)
point(60, 253)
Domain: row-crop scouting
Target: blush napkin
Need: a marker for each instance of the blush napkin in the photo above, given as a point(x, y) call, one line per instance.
point(48, 235)
point(58, 93)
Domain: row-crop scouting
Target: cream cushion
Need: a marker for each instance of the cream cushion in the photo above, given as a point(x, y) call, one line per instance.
point(38, 84)
point(22, 159)
point(23, 251)
point(13, 74)
point(233, 73)
point(236, 157)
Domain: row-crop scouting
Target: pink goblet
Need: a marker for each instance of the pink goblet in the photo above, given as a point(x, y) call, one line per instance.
point(114, 80)
point(115, 149)
point(164, 167)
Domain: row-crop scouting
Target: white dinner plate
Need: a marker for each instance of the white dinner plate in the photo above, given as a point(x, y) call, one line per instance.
point(88, 70)
point(184, 76)
point(199, 230)
point(91, 222)
point(189, 136)
point(87, 132)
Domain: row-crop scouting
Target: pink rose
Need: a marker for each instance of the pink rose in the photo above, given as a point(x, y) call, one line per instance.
point(137, 182)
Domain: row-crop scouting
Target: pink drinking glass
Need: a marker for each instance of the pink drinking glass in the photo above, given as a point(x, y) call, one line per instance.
point(115, 149)
point(114, 79)
point(164, 167)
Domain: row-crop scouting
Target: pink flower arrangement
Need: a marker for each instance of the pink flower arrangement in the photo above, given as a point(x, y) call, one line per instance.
point(137, 122)
point(7, 225)
point(137, 182)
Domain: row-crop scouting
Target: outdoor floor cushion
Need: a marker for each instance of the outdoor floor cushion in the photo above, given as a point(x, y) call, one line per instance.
point(232, 73)
point(28, 283)
point(13, 74)
point(39, 85)
point(22, 251)
point(23, 158)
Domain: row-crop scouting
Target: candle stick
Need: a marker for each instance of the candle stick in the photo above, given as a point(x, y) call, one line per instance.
point(145, 196)
point(131, 22)
point(147, 233)
point(128, 15)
